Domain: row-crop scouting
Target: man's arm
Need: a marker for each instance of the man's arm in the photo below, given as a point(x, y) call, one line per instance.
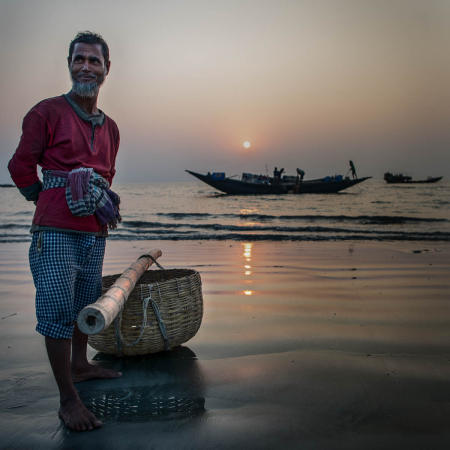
point(23, 164)
point(116, 149)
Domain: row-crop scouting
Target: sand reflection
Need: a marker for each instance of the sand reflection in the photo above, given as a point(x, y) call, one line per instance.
point(164, 386)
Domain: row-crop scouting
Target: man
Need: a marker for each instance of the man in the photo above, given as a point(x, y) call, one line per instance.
point(277, 175)
point(352, 169)
point(76, 145)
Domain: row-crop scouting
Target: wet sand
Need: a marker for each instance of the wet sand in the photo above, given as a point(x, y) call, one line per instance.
point(303, 346)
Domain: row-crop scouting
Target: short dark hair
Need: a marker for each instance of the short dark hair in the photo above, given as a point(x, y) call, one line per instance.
point(87, 37)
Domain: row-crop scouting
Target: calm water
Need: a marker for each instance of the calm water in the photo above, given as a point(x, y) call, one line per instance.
point(191, 210)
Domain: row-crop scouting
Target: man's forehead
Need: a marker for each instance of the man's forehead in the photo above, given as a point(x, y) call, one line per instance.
point(81, 48)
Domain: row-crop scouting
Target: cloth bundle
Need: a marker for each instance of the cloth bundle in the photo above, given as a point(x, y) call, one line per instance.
point(87, 193)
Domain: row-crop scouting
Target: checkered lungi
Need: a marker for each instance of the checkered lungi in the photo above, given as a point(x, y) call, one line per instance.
point(67, 273)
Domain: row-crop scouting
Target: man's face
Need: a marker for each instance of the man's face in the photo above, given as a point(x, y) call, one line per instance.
point(87, 69)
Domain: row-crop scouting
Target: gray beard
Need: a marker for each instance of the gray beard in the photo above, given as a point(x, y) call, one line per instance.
point(85, 90)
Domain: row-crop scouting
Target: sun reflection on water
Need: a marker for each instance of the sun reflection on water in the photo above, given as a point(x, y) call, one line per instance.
point(248, 251)
point(247, 254)
point(246, 211)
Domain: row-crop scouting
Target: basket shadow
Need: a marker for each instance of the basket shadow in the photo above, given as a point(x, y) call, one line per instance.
point(162, 386)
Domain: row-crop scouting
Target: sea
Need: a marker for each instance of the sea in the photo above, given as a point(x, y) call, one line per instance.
point(191, 210)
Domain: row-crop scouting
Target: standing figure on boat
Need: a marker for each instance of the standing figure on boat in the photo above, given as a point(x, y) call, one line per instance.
point(300, 174)
point(298, 180)
point(352, 169)
point(277, 175)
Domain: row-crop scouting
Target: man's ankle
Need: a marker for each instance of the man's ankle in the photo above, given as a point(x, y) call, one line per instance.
point(79, 365)
point(68, 398)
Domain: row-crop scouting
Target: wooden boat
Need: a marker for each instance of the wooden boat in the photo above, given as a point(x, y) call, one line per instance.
point(400, 178)
point(251, 184)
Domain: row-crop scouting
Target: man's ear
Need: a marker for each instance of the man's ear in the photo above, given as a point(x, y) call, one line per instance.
point(68, 61)
point(107, 65)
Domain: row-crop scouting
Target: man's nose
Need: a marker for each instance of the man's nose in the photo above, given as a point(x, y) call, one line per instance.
point(86, 66)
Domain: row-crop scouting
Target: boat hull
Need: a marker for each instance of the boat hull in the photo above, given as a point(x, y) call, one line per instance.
point(429, 180)
point(237, 187)
point(403, 179)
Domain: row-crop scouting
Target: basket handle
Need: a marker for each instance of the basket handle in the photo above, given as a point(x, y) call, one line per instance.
point(118, 325)
point(147, 255)
point(162, 328)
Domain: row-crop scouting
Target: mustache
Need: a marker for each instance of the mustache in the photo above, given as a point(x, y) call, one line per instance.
point(85, 75)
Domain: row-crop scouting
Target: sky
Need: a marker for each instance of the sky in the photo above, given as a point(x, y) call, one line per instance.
point(309, 83)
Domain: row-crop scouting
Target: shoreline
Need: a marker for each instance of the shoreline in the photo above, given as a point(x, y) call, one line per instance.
point(315, 345)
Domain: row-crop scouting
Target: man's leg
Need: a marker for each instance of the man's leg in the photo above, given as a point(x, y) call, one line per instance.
point(53, 265)
point(72, 410)
point(82, 370)
point(88, 288)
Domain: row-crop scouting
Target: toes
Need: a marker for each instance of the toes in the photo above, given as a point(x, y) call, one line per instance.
point(80, 419)
point(94, 372)
point(94, 422)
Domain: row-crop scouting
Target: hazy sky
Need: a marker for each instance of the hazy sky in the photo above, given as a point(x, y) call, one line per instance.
point(310, 83)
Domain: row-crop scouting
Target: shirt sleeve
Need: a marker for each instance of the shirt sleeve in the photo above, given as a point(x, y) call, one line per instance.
point(23, 164)
point(116, 149)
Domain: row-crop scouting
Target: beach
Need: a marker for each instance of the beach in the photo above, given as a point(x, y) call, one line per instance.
point(311, 345)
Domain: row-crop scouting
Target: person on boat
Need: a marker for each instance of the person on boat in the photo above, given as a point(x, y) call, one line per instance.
point(298, 180)
point(300, 174)
point(352, 169)
point(75, 144)
point(277, 175)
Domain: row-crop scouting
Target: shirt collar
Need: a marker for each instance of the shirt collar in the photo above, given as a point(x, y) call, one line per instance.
point(94, 119)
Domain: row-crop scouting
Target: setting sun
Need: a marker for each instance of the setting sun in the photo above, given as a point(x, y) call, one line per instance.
point(246, 144)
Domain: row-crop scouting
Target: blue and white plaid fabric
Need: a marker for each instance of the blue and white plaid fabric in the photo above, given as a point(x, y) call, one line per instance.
point(67, 273)
point(87, 193)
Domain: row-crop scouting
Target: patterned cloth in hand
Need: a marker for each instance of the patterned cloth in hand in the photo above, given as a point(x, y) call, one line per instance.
point(87, 193)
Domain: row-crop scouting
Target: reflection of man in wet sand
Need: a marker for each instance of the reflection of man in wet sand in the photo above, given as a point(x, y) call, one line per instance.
point(76, 145)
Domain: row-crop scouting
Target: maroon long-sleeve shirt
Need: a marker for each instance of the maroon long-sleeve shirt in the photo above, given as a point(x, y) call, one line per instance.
point(59, 135)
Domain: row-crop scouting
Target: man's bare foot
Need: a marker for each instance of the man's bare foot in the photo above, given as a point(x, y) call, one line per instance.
point(90, 371)
point(77, 417)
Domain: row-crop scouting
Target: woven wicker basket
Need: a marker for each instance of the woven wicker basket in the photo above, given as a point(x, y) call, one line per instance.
point(164, 310)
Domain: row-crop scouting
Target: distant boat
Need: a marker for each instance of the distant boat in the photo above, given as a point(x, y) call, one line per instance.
point(400, 178)
point(251, 184)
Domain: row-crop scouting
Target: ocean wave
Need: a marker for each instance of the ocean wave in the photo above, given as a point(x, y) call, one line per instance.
point(21, 213)
point(379, 219)
point(121, 231)
point(367, 236)
point(12, 226)
point(438, 236)
point(145, 227)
